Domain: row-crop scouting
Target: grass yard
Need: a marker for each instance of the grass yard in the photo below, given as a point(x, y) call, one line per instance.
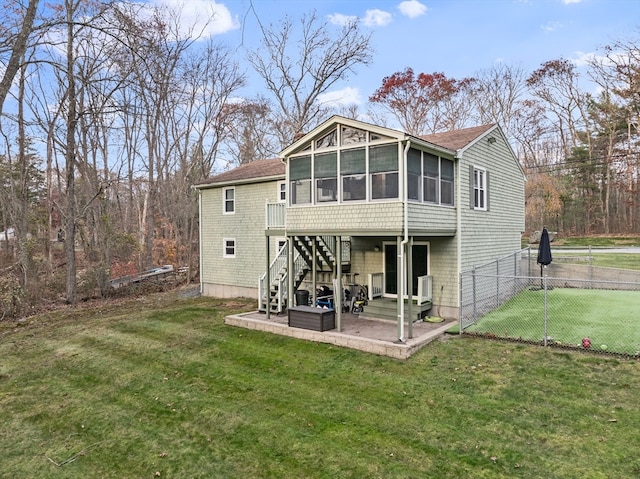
point(607, 260)
point(162, 388)
point(609, 318)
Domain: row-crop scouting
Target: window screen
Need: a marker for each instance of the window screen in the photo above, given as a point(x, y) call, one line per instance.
point(383, 158)
point(300, 168)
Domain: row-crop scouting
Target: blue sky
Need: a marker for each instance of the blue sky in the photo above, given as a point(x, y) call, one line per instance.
point(456, 37)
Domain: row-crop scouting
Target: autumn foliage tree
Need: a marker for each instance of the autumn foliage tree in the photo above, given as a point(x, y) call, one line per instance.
point(425, 103)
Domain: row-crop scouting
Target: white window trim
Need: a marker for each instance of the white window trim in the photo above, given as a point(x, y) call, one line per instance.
point(224, 248)
point(224, 200)
point(484, 190)
point(282, 184)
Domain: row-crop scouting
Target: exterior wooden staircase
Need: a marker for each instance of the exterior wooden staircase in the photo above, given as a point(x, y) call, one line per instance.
point(275, 295)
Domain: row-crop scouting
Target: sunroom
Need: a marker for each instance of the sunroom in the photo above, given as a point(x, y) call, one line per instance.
point(379, 193)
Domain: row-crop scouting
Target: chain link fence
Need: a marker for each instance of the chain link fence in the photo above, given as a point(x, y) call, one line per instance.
point(575, 306)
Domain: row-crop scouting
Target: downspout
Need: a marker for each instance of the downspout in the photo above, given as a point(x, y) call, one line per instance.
point(405, 204)
point(458, 238)
point(200, 260)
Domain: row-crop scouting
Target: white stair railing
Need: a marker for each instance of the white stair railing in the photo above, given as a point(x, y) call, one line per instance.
point(375, 282)
point(425, 289)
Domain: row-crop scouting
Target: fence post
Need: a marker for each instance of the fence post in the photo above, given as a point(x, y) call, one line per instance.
point(473, 293)
point(590, 269)
point(461, 305)
point(544, 340)
point(497, 283)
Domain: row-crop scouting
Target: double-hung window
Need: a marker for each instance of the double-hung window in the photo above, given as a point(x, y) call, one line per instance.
point(229, 248)
point(229, 201)
point(353, 171)
point(383, 169)
point(480, 188)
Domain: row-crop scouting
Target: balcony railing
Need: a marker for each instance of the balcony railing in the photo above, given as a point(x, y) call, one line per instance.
point(275, 215)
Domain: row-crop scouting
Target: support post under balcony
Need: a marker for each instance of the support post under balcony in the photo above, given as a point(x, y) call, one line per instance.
point(338, 291)
point(267, 281)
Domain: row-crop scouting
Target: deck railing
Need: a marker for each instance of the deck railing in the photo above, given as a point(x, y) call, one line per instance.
point(278, 265)
point(275, 215)
point(375, 282)
point(425, 289)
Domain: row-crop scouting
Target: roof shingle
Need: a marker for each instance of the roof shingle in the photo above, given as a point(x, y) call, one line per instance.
point(248, 171)
point(457, 139)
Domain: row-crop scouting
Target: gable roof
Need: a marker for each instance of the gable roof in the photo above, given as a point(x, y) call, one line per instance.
point(457, 139)
point(453, 141)
point(330, 123)
point(253, 172)
point(268, 170)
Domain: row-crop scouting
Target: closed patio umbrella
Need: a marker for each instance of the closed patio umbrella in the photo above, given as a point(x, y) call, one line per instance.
point(544, 251)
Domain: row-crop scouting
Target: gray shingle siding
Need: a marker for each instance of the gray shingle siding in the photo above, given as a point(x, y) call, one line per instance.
point(246, 225)
point(486, 235)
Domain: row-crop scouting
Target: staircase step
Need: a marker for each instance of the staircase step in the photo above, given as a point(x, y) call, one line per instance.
point(387, 309)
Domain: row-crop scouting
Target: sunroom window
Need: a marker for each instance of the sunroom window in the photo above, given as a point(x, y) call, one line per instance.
point(446, 182)
point(414, 171)
point(300, 180)
point(330, 139)
point(353, 171)
point(431, 168)
point(351, 136)
point(325, 173)
point(383, 168)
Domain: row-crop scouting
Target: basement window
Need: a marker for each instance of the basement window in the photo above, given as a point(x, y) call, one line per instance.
point(229, 248)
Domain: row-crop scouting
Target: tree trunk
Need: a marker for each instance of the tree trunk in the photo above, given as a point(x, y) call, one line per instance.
point(70, 227)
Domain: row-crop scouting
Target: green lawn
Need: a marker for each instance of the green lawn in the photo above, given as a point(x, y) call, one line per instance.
point(607, 260)
point(162, 388)
point(611, 319)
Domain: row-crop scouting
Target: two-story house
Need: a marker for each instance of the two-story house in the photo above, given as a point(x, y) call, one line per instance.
point(409, 212)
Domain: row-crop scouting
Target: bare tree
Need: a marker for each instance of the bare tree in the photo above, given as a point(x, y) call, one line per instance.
point(298, 67)
point(251, 133)
point(16, 44)
point(556, 83)
point(498, 93)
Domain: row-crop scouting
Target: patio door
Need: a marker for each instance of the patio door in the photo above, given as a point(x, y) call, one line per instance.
point(420, 267)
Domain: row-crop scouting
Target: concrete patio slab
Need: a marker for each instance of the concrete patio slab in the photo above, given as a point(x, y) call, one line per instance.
point(372, 336)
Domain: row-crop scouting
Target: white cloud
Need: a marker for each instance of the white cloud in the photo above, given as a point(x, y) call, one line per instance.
point(340, 19)
point(551, 26)
point(344, 97)
point(567, 2)
point(202, 18)
point(376, 18)
point(583, 58)
point(412, 8)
